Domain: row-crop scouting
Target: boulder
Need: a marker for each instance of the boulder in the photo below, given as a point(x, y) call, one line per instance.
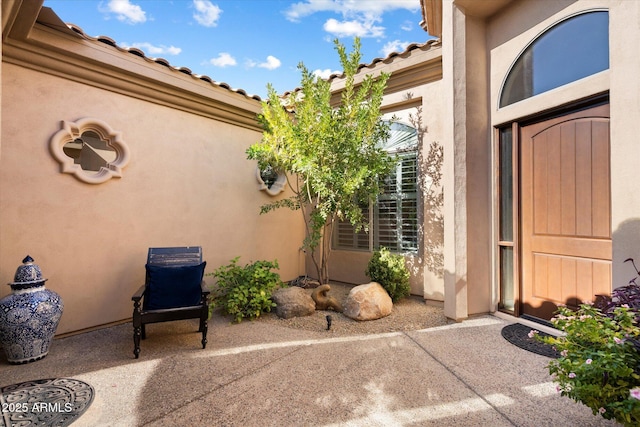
point(324, 301)
point(368, 302)
point(293, 302)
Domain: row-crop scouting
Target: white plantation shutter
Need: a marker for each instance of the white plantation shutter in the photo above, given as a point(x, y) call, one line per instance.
point(347, 238)
point(394, 216)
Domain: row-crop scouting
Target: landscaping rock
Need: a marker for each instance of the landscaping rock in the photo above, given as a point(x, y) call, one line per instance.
point(293, 302)
point(304, 282)
point(324, 301)
point(368, 302)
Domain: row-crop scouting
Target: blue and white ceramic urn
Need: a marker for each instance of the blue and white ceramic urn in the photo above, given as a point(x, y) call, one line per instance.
point(29, 316)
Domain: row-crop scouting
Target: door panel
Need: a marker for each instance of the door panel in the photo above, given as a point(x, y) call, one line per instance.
point(566, 211)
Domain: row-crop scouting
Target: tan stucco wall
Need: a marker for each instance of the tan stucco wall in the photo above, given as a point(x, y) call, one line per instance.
point(1, 20)
point(477, 54)
point(625, 133)
point(427, 261)
point(478, 160)
point(460, 106)
point(188, 183)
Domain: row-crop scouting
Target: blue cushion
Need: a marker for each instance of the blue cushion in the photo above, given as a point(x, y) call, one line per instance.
point(172, 287)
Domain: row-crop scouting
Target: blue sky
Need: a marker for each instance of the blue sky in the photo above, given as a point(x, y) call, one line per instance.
point(249, 43)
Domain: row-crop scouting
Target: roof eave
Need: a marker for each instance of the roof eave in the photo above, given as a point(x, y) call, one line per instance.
point(432, 17)
point(59, 50)
point(419, 65)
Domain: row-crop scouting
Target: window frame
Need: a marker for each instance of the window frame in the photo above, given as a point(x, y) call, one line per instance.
point(511, 92)
point(345, 238)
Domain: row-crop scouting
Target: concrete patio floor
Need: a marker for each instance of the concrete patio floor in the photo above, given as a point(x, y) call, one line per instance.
point(259, 374)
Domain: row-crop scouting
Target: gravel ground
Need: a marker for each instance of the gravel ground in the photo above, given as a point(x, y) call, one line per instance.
point(408, 314)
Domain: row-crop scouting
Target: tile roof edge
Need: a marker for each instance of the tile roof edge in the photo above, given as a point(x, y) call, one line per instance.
point(164, 62)
point(412, 46)
point(160, 61)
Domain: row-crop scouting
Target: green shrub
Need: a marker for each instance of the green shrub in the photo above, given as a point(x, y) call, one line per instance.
point(390, 271)
point(245, 292)
point(599, 361)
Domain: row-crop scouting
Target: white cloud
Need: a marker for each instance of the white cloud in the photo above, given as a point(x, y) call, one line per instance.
point(207, 13)
point(271, 63)
point(154, 50)
point(359, 17)
point(223, 60)
point(353, 28)
point(126, 11)
point(393, 46)
point(407, 26)
point(348, 7)
point(326, 73)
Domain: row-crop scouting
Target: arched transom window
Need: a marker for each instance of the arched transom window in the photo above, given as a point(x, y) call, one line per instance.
point(570, 50)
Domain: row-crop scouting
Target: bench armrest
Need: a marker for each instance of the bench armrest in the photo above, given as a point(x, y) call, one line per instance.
point(139, 293)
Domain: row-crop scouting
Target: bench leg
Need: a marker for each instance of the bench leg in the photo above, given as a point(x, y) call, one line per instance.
point(204, 327)
point(138, 327)
point(136, 340)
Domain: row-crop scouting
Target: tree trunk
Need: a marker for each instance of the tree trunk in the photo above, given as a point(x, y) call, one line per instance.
point(322, 264)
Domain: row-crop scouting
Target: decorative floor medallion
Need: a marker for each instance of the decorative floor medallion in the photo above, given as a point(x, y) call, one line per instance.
point(46, 402)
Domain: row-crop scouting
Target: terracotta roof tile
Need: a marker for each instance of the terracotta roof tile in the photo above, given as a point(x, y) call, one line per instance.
point(160, 61)
point(135, 51)
point(107, 40)
point(388, 59)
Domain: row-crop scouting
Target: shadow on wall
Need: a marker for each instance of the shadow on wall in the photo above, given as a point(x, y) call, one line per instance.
point(431, 228)
point(627, 245)
point(432, 232)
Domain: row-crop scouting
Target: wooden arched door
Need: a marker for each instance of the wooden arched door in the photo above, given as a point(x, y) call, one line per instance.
point(565, 211)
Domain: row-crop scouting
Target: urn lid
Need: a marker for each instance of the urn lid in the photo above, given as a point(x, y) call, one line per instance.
point(27, 273)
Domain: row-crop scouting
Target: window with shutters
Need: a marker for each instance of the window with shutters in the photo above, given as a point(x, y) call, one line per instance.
point(393, 218)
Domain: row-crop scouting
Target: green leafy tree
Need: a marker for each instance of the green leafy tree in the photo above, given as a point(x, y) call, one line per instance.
point(330, 152)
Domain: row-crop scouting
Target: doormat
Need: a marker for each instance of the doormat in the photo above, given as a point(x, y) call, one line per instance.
point(47, 402)
point(518, 334)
